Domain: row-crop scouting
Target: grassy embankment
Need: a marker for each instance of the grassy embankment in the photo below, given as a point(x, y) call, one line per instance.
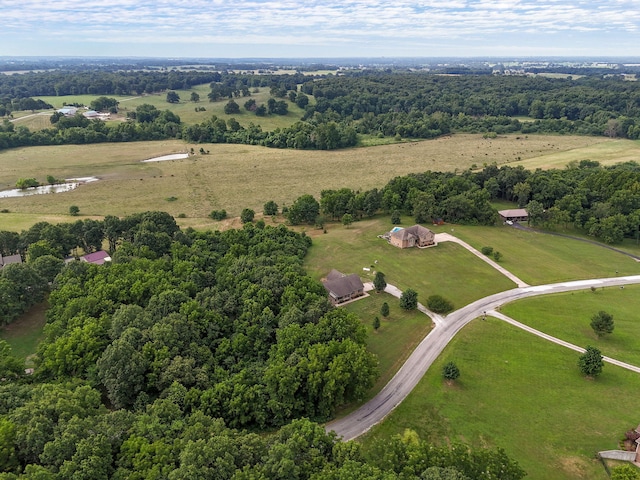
point(233, 177)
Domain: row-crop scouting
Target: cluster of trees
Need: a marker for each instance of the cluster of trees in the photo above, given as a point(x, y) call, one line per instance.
point(53, 431)
point(229, 316)
point(415, 104)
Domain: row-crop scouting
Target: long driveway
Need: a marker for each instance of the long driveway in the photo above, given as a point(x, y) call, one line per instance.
point(375, 410)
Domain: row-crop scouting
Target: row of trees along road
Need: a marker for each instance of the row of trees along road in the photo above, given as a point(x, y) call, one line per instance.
point(148, 360)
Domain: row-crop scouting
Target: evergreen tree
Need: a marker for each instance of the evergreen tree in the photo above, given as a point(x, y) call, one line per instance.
point(379, 282)
point(384, 310)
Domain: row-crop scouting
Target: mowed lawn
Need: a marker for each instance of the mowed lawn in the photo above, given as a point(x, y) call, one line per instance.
point(233, 177)
point(568, 316)
point(539, 258)
point(447, 269)
point(525, 395)
point(399, 333)
point(25, 333)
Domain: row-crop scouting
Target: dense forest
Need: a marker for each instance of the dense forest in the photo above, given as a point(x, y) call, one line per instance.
point(398, 104)
point(150, 364)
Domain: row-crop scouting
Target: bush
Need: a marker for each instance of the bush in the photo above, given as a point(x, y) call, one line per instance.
point(487, 251)
point(74, 210)
point(450, 371)
point(270, 208)
point(247, 215)
point(439, 304)
point(409, 299)
point(395, 217)
point(218, 214)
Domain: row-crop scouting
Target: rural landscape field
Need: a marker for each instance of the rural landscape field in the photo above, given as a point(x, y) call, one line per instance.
point(210, 332)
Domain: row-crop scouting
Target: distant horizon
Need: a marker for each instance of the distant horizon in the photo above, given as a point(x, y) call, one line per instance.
point(321, 29)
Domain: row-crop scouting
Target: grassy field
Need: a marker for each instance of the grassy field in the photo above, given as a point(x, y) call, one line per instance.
point(447, 269)
point(522, 394)
point(25, 333)
point(607, 153)
point(539, 258)
point(568, 317)
point(399, 334)
point(185, 109)
point(233, 177)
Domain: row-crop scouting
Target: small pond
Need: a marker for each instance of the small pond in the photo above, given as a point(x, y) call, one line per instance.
point(70, 184)
point(164, 158)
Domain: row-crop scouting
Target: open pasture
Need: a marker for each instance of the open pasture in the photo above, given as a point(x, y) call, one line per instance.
point(233, 177)
point(606, 152)
point(568, 316)
point(185, 109)
point(523, 394)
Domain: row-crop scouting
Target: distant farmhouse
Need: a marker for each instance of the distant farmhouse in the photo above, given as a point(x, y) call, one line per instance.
point(9, 259)
point(416, 236)
point(514, 215)
point(342, 288)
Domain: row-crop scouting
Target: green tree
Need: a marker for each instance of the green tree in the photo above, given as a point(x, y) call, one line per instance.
point(450, 371)
point(194, 97)
point(74, 210)
point(246, 216)
point(535, 210)
point(270, 208)
point(172, 97)
point(347, 219)
point(376, 323)
point(51, 180)
point(25, 183)
point(384, 310)
point(231, 108)
point(497, 256)
point(395, 218)
point(602, 323)
point(590, 362)
point(409, 299)
point(379, 282)
point(305, 209)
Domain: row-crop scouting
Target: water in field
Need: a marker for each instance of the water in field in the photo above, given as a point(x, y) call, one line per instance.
point(164, 158)
point(70, 184)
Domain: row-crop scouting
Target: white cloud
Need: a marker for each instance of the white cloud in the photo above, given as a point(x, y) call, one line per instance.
point(345, 28)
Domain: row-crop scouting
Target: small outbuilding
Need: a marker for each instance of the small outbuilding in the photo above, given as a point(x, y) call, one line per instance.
point(9, 259)
point(514, 215)
point(342, 288)
point(416, 236)
point(97, 258)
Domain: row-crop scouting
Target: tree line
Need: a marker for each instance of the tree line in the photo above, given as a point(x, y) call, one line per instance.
point(398, 104)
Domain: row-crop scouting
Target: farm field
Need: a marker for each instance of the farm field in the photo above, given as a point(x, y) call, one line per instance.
point(539, 258)
point(233, 177)
point(522, 394)
point(447, 269)
point(568, 317)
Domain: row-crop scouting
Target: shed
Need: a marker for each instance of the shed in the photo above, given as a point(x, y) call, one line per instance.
point(514, 215)
point(97, 258)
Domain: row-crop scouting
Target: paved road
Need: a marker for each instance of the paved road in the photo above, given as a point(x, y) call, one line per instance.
point(375, 410)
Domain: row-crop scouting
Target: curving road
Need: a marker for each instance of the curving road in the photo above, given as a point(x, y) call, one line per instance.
point(375, 410)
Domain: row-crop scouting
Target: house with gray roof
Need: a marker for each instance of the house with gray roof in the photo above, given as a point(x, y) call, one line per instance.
point(342, 288)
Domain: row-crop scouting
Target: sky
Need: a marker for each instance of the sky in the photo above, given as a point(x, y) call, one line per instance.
point(320, 28)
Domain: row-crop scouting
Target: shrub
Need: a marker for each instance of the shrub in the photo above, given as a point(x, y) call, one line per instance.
point(218, 214)
point(486, 250)
point(247, 215)
point(439, 304)
point(450, 371)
